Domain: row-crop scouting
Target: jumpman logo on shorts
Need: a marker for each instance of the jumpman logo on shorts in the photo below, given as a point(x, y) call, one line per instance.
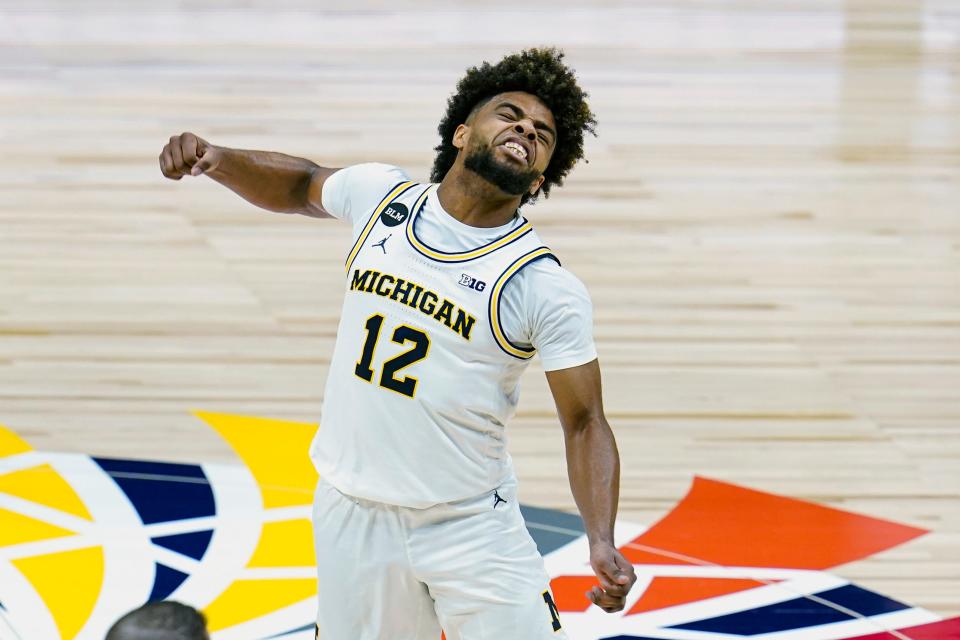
point(497, 499)
point(383, 244)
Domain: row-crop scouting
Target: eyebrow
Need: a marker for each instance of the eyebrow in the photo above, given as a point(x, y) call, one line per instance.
point(539, 124)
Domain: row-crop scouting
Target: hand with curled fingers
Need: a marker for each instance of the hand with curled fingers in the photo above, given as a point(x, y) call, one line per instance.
point(616, 577)
point(188, 154)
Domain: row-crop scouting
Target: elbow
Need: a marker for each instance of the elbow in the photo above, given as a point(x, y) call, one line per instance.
point(300, 200)
point(300, 197)
point(585, 424)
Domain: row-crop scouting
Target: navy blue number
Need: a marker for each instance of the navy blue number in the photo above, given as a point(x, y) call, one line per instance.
point(421, 344)
point(388, 377)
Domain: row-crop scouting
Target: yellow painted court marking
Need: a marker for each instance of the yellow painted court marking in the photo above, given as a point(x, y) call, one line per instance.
point(16, 528)
point(45, 486)
point(68, 582)
point(285, 543)
point(12, 444)
point(248, 599)
point(275, 451)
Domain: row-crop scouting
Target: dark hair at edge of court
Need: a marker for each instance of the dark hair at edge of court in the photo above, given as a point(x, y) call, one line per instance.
point(165, 620)
point(540, 72)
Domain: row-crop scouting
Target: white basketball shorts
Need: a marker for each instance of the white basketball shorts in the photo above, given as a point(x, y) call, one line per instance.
point(469, 567)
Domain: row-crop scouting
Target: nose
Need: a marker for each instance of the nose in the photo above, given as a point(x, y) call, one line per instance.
point(522, 129)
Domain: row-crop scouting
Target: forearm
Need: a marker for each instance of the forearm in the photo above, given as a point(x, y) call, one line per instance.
point(593, 466)
point(267, 179)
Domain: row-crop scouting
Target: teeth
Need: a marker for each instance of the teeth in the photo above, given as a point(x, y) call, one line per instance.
point(517, 149)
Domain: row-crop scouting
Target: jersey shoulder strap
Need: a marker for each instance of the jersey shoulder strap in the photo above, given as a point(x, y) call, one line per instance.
point(526, 257)
point(393, 209)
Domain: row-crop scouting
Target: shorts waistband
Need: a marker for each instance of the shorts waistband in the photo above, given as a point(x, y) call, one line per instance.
point(509, 484)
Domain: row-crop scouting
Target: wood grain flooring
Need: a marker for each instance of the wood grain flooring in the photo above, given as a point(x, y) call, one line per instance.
point(769, 226)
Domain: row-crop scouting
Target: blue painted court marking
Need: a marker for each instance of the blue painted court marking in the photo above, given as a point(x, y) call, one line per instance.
point(193, 544)
point(800, 613)
point(551, 529)
point(848, 595)
point(162, 491)
point(165, 582)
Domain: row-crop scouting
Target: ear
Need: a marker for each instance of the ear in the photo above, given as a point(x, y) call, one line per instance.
point(460, 136)
point(536, 185)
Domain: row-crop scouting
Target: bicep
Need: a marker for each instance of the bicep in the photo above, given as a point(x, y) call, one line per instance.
point(559, 315)
point(577, 393)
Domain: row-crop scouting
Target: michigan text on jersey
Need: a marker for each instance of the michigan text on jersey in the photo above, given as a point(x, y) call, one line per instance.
point(414, 296)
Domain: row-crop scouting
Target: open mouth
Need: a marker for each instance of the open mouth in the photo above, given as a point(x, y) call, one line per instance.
point(516, 150)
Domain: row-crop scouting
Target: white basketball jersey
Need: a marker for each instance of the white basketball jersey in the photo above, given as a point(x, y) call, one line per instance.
point(423, 380)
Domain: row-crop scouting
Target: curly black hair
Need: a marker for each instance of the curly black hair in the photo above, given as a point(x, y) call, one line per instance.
point(539, 72)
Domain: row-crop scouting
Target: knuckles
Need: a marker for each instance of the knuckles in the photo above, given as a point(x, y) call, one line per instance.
point(179, 155)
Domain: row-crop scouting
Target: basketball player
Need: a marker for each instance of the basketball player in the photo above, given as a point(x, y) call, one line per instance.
point(449, 293)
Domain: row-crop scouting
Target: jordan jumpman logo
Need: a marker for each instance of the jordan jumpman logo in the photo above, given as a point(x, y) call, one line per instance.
point(383, 244)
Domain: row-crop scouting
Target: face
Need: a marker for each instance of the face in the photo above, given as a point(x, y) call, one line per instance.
point(509, 141)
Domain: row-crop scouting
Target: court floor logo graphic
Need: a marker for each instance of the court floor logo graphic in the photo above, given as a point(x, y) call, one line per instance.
point(84, 539)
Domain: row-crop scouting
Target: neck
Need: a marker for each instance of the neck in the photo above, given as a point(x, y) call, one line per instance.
point(474, 201)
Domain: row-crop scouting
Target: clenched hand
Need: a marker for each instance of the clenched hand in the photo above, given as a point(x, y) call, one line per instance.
point(188, 154)
point(616, 576)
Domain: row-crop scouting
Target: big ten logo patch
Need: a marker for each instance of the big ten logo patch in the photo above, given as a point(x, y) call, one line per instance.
point(394, 214)
point(472, 283)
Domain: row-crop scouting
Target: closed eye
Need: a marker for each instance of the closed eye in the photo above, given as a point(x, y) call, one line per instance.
point(510, 116)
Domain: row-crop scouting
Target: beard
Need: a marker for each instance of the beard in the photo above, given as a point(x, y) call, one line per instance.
point(508, 179)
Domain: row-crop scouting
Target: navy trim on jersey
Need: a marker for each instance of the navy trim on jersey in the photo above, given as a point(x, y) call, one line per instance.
point(454, 257)
point(371, 222)
point(497, 290)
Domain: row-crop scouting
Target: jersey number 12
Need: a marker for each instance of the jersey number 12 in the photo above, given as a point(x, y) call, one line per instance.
point(388, 379)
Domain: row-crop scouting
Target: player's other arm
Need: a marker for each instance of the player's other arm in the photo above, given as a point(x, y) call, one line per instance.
point(267, 179)
point(593, 464)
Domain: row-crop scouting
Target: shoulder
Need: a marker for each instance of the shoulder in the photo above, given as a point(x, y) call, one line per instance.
point(545, 294)
point(350, 191)
point(372, 172)
point(546, 283)
point(552, 313)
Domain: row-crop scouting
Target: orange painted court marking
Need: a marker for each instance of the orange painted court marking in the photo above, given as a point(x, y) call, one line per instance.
point(667, 591)
point(724, 524)
point(569, 592)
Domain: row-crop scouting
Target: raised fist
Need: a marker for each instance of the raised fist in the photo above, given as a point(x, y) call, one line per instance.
point(187, 154)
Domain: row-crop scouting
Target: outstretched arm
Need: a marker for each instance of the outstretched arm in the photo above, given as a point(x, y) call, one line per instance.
point(593, 465)
point(267, 179)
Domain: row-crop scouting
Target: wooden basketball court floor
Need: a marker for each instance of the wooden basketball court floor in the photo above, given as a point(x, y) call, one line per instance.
point(769, 226)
